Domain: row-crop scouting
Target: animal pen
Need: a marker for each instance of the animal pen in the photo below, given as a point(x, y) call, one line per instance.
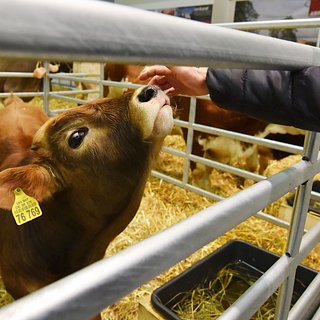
point(95, 31)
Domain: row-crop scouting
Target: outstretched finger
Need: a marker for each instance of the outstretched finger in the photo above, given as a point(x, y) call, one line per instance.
point(157, 70)
point(159, 81)
point(170, 91)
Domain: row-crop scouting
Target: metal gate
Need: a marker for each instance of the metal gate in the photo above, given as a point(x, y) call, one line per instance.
point(127, 35)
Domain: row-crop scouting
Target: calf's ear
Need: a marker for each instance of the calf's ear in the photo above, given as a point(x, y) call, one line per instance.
point(35, 180)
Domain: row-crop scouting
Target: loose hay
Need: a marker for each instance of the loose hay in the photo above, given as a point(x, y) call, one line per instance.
point(55, 104)
point(5, 298)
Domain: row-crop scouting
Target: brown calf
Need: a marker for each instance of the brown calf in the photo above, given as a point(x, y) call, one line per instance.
point(18, 124)
point(88, 172)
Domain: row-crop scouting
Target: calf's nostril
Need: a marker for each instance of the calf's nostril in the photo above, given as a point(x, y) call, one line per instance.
point(147, 94)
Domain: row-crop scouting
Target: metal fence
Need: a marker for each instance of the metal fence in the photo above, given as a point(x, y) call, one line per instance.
point(101, 32)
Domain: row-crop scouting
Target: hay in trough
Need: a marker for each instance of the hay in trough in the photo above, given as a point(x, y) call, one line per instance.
point(209, 301)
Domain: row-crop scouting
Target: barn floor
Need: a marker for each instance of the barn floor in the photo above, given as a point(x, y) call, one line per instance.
point(163, 205)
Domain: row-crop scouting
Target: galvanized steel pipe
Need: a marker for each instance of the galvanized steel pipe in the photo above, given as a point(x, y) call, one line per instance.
point(88, 30)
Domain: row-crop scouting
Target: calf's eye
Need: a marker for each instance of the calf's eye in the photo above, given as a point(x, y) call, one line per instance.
point(77, 137)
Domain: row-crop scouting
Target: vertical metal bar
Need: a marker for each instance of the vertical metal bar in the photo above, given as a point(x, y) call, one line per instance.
point(318, 39)
point(299, 215)
point(310, 298)
point(302, 199)
point(101, 87)
point(192, 116)
point(46, 88)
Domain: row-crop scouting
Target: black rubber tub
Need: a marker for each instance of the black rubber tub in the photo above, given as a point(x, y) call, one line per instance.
point(243, 256)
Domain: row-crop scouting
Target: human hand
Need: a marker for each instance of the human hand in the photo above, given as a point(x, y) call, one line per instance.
point(177, 80)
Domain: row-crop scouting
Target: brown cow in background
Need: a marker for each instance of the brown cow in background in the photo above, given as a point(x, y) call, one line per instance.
point(18, 124)
point(87, 171)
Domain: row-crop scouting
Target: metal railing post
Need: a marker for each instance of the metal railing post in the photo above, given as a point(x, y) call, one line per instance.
point(189, 144)
point(46, 88)
point(299, 216)
point(101, 87)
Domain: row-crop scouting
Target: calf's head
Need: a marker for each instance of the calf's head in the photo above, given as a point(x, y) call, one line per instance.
point(95, 158)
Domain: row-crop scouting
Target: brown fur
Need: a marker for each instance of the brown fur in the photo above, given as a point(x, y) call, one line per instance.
point(18, 124)
point(88, 195)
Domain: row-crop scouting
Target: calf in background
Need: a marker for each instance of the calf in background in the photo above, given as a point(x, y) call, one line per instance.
point(18, 124)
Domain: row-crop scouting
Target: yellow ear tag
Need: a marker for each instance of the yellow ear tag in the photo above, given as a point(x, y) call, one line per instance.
point(25, 208)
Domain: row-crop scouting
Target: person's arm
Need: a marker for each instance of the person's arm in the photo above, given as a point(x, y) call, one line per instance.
point(284, 97)
point(177, 80)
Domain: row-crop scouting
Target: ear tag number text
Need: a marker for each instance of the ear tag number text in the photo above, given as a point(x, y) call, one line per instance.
point(25, 208)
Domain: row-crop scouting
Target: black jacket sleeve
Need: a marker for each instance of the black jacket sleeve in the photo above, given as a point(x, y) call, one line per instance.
point(284, 97)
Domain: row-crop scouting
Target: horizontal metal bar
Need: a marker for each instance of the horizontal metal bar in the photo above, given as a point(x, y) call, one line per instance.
point(175, 152)
point(71, 77)
point(73, 92)
point(93, 81)
point(187, 186)
point(121, 84)
point(263, 288)
point(114, 35)
point(271, 219)
point(315, 195)
point(274, 24)
point(61, 97)
point(215, 164)
point(5, 74)
point(72, 74)
point(55, 94)
point(16, 75)
point(161, 4)
point(22, 94)
point(250, 139)
point(227, 168)
point(86, 292)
